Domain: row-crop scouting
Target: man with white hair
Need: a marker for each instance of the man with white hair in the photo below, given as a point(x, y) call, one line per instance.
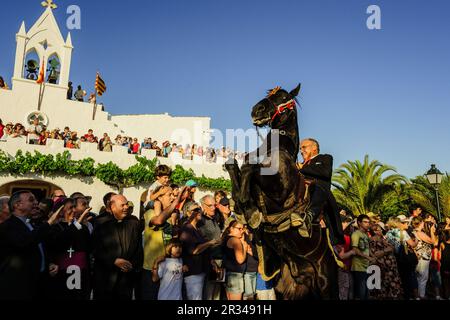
point(318, 170)
point(210, 228)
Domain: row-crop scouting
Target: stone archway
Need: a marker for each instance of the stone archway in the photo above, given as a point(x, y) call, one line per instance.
point(41, 189)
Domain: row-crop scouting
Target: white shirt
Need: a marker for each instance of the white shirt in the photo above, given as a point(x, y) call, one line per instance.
point(170, 271)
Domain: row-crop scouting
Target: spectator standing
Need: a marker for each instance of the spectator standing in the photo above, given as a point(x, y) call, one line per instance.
point(100, 143)
point(235, 250)
point(69, 245)
point(117, 252)
point(107, 145)
point(169, 271)
point(423, 251)
point(361, 260)
point(135, 146)
point(70, 91)
point(383, 253)
point(79, 94)
point(23, 265)
point(225, 215)
point(194, 256)
point(445, 265)
point(34, 132)
point(209, 226)
point(157, 234)
point(8, 131)
point(167, 149)
point(345, 253)
point(404, 243)
point(89, 136)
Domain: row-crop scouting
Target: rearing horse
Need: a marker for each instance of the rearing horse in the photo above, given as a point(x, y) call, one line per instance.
point(268, 198)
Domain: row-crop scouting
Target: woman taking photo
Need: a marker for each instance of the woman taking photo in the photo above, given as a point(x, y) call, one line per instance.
point(194, 255)
point(423, 251)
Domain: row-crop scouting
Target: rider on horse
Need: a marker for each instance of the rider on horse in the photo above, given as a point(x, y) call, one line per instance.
point(317, 170)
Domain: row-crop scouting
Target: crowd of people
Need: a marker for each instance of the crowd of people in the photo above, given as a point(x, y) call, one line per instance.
point(412, 253)
point(176, 249)
point(38, 134)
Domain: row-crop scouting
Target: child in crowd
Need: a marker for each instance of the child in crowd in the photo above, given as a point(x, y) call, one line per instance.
point(169, 270)
point(162, 174)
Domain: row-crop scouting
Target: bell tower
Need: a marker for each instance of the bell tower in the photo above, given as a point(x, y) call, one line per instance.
point(43, 43)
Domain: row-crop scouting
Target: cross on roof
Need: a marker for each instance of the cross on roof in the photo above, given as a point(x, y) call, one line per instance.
point(49, 3)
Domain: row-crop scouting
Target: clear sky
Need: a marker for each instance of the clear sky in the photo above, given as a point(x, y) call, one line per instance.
point(384, 92)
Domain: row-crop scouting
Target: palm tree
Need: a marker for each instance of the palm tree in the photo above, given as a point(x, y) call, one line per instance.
point(423, 194)
point(364, 187)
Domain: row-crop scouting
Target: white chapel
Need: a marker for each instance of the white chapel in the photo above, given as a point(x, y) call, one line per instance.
point(44, 45)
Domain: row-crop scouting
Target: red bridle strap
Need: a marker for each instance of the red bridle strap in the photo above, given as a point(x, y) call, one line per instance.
point(290, 105)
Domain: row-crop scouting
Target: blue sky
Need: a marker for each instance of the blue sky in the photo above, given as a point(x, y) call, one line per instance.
point(385, 92)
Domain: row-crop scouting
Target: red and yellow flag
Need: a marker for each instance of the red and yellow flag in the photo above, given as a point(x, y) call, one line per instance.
point(100, 85)
point(41, 77)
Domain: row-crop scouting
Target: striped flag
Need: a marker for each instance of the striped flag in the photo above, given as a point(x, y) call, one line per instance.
point(41, 77)
point(100, 86)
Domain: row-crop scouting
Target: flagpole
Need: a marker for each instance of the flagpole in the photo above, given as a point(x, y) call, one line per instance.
point(95, 105)
point(39, 98)
point(95, 99)
point(41, 91)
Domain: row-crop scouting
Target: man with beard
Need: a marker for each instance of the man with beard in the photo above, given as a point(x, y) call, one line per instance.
point(22, 259)
point(118, 253)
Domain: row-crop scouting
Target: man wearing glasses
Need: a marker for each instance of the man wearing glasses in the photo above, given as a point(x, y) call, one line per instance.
point(210, 228)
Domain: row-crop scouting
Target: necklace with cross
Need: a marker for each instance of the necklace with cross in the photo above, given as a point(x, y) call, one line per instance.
point(70, 251)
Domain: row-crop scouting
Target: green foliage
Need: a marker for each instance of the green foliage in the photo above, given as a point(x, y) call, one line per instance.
point(424, 195)
point(364, 187)
point(109, 173)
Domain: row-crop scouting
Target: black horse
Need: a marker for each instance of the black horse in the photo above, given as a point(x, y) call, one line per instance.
point(268, 189)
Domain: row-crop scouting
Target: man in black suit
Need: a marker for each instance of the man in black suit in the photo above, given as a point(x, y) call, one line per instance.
point(118, 253)
point(22, 259)
point(318, 170)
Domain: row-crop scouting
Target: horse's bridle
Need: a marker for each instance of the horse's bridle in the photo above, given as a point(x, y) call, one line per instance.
point(280, 109)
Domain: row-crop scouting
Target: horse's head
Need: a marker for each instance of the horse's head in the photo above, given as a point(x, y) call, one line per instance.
point(277, 102)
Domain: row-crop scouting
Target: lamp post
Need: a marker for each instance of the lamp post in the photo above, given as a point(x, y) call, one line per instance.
point(434, 177)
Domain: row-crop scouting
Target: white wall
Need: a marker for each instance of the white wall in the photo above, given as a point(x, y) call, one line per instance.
point(119, 157)
point(180, 130)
